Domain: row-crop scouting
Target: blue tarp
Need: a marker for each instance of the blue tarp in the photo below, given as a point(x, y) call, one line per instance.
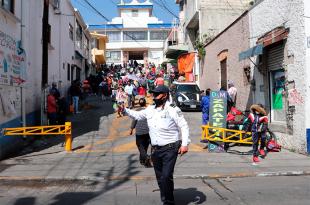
point(254, 51)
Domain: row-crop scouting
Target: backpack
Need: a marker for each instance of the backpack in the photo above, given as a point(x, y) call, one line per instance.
point(272, 145)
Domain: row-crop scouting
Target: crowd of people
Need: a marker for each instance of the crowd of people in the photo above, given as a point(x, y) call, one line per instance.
point(122, 84)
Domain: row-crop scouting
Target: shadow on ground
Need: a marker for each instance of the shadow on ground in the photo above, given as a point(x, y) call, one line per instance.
point(189, 196)
point(86, 121)
point(78, 197)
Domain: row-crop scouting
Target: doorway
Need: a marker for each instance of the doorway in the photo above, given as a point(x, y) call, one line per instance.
point(224, 73)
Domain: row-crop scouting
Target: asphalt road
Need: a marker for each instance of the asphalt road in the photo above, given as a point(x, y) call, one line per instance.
point(245, 191)
point(284, 190)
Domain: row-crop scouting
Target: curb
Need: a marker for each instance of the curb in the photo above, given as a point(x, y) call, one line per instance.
point(80, 179)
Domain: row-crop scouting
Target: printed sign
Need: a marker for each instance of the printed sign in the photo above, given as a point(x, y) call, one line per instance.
point(217, 116)
point(12, 61)
point(218, 108)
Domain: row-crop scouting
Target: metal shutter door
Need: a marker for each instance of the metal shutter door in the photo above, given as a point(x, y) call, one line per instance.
point(275, 57)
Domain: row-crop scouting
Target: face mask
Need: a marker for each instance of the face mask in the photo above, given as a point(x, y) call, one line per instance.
point(158, 102)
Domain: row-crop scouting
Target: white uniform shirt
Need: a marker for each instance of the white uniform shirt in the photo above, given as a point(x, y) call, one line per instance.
point(163, 124)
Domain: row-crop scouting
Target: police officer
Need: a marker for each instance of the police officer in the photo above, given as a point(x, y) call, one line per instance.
point(164, 121)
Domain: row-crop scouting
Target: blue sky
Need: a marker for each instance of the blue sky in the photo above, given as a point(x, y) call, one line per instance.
point(108, 9)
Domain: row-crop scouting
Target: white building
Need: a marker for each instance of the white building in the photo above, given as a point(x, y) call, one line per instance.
point(21, 59)
point(281, 74)
point(134, 35)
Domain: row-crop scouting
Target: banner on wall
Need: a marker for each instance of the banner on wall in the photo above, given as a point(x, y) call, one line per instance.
point(12, 61)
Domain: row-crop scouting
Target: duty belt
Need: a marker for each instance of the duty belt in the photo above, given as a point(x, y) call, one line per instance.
point(170, 145)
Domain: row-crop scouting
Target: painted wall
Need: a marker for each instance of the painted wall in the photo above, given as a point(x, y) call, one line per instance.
point(234, 40)
point(29, 14)
point(11, 95)
point(264, 17)
point(307, 99)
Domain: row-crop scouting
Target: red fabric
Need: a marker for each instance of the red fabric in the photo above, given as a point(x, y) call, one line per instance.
point(186, 63)
point(159, 81)
point(51, 104)
point(141, 91)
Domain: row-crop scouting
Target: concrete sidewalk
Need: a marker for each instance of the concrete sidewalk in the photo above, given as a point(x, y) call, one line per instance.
point(104, 150)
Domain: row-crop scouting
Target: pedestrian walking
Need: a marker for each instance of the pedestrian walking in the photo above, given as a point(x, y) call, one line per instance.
point(259, 120)
point(120, 100)
point(129, 91)
point(232, 92)
point(75, 92)
point(51, 108)
point(142, 136)
point(166, 124)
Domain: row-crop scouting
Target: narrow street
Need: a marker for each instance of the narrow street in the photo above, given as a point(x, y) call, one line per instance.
point(104, 169)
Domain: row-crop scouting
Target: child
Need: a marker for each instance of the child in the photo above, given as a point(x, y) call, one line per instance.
point(259, 120)
point(120, 100)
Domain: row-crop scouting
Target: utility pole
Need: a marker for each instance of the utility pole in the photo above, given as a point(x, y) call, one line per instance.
point(45, 41)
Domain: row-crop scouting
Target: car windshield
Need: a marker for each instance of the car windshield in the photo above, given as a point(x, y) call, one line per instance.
point(188, 88)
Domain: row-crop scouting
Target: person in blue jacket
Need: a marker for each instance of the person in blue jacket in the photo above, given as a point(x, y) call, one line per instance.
point(205, 105)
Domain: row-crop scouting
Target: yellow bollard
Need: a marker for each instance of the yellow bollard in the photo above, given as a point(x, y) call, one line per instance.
point(68, 137)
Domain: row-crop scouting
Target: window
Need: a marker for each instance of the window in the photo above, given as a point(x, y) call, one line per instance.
point(85, 45)
point(78, 35)
point(8, 5)
point(68, 72)
point(134, 13)
point(135, 35)
point(158, 35)
point(55, 3)
point(113, 56)
point(114, 36)
point(72, 72)
point(70, 31)
point(49, 30)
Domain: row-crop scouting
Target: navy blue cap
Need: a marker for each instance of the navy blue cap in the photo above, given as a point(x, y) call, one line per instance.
point(160, 89)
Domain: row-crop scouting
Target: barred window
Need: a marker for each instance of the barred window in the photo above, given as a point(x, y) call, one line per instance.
point(158, 35)
point(135, 35)
point(114, 36)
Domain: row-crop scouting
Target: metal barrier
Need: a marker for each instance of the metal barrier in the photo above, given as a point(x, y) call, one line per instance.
point(43, 130)
point(219, 134)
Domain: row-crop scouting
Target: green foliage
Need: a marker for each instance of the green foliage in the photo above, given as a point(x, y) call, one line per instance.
point(200, 43)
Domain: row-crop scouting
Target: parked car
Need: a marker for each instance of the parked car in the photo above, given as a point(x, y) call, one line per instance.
point(186, 95)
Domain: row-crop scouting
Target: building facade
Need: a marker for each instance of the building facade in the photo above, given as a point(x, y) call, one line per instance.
point(221, 62)
point(135, 35)
point(201, 21)
point(267, 57)
point(281, 75)
point(22, 99)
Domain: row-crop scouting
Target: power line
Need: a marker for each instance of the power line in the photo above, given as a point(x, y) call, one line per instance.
point(108, 20)
point(162, 5)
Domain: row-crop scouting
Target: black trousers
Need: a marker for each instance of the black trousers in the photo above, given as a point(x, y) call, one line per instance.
point(143, 142)
point(164, 160)
point(258, 137)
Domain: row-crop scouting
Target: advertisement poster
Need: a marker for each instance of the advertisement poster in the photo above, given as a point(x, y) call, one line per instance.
point(12, 61)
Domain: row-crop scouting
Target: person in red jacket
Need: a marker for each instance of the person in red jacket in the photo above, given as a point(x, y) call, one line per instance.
point(51, 108)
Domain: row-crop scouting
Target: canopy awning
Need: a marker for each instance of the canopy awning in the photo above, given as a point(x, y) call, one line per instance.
point(173, 52)
point(254, 51)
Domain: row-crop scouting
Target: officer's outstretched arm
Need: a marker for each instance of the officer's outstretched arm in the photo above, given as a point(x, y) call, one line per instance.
point(138, 115)
point(182, 124)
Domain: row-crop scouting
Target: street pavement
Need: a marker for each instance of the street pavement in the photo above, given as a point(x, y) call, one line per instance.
point(104, 169)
